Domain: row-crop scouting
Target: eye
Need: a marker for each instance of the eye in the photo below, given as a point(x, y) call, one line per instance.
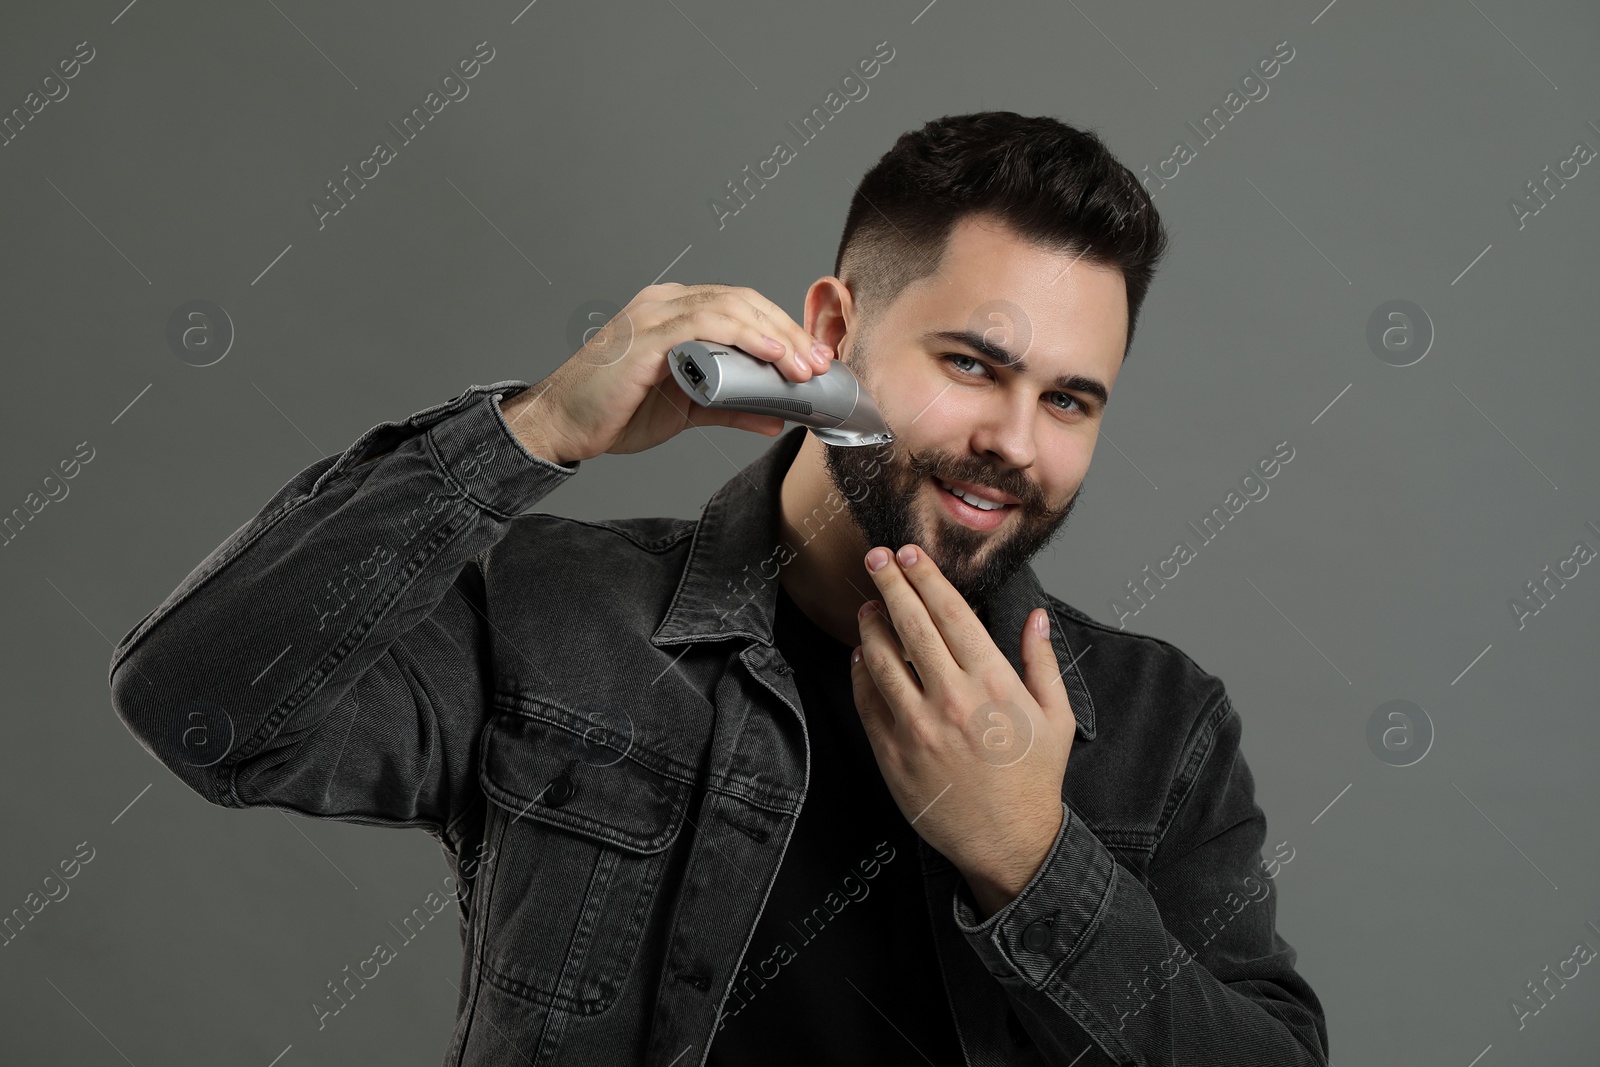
point(952, 358)
point(1081, 409)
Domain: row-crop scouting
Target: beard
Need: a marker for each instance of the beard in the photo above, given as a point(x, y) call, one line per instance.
point(887, 481)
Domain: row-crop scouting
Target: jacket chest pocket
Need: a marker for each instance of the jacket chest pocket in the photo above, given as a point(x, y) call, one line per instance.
point(583, 834)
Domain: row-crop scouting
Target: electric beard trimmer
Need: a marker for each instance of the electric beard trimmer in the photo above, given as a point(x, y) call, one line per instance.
point(832, 405)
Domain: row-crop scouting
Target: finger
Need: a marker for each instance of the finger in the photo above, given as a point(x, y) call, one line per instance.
point(886, 664)
point(908, 615)
point(877, 717)
point(965, 637)
point(1041, 671)
point(786, 328)
point(731, 320)
point(772, 327)
point(899, 646)
point(694, 414)
point(770, 425)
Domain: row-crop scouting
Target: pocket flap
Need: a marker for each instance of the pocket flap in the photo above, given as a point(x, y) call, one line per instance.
point(603, 795)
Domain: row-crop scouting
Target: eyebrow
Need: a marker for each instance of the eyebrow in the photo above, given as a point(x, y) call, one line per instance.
point(1000, 356)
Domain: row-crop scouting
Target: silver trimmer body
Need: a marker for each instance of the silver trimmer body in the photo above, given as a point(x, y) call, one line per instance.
point(833, 405)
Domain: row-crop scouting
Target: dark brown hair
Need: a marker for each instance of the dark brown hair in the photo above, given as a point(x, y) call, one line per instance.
point(1056, 185)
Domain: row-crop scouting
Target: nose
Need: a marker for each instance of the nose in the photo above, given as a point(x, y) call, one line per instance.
point(1004, 432)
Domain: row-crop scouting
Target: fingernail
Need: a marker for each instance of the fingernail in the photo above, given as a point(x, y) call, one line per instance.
point(1043, 625)
point(855, 654)
point(773, 343)
point(821, 354)
point(864, 610)
point(877, 558)
point(907, 556)
point(798, 362)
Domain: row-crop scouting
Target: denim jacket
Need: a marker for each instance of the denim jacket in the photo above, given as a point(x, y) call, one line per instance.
point(592, 720)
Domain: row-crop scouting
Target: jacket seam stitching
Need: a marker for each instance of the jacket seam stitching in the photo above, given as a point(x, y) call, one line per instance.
point(1096, 624)
point(650, 760)
point(358, 632)
point(341, 464)
point(131, 641)
point(655, 547)
point(1054, 984)
point(408, 665)
point(478, 946)
point(438, 461)
point(1082, 678)
point(1193, 764)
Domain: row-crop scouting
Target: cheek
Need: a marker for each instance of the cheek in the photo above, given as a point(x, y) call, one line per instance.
point(1080, 470)
point(1066, 475)
point(934, 409)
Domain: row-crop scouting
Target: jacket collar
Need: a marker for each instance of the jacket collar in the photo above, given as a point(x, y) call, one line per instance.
point(729, 586)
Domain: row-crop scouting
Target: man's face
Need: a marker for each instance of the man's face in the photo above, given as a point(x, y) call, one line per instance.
point(962, 414)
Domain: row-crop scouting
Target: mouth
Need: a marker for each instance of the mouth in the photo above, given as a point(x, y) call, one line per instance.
point(982, 515)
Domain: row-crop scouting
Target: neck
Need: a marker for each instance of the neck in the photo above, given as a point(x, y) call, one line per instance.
point(827, 578)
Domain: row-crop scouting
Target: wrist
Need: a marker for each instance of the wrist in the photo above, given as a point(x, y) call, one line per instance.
point(988, 896)
point(998, 882)
point(531, 431)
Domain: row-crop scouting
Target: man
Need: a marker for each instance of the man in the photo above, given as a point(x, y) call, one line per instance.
point(706, 810)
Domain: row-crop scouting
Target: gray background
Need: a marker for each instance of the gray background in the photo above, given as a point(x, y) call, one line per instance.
point(1380, 567)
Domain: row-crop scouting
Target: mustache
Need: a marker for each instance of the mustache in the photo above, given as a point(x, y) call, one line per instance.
point(1014, 484)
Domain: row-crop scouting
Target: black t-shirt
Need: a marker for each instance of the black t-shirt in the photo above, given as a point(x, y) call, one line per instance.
point(841, 968)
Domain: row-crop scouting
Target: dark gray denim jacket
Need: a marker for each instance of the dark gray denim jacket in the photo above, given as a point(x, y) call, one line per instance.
point(592, 720)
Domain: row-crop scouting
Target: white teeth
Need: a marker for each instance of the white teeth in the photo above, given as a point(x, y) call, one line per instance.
point(977, 502)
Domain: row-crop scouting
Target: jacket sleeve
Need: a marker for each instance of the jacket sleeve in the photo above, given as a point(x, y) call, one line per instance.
point(1188, 969)
point(330, 657)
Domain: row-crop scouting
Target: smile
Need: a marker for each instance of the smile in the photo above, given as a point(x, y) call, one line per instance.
point(969, 509)
point(971, 498)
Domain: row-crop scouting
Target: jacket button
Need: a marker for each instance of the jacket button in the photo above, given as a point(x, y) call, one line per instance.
point(1036, 936)
point(560, 790)
point(781, 668)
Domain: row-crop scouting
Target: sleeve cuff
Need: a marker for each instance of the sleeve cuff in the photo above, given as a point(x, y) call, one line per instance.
point(1045, 924)
point(482, 455)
